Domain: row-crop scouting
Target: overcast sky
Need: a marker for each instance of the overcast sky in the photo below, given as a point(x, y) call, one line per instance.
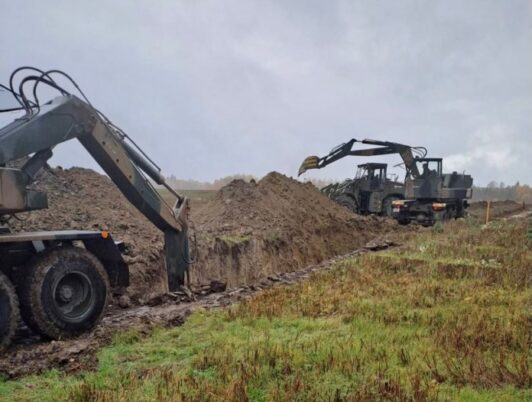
point(212, 88)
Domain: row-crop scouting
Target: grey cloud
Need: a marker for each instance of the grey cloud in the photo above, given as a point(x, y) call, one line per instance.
point(212, 88)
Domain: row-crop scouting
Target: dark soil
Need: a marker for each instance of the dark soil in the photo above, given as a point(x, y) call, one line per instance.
point(278, 224)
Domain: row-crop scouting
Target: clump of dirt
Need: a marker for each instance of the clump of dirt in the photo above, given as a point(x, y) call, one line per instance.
point(250, 230)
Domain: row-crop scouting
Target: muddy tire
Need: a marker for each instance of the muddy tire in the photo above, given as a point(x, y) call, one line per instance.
point(9, 311)
point(387, 205)
point(347, 202)
point(64, 292)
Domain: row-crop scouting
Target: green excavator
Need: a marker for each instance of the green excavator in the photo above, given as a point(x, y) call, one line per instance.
point(427, 195)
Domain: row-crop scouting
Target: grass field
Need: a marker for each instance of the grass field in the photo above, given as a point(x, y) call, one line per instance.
point(197, 197)
point(446, 317)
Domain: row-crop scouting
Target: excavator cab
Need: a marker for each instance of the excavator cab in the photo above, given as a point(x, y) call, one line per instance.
point(429, 167)
point(428, 183)
point(373, 175)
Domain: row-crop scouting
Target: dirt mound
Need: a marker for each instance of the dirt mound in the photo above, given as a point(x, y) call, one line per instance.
point(85, 200)
point(278, 204)
point(276, 225)
point(250, 230)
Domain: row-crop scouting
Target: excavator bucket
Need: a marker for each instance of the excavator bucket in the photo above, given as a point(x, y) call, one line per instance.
point(311, 162)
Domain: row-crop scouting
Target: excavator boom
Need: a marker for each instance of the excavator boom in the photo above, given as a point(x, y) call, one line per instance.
point(346, 149)
point(67, 117)
point(63, 277)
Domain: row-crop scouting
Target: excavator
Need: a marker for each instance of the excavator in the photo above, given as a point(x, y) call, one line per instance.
point(371, 191)
point(433, 196)
point(59, 282)
point(426, 197)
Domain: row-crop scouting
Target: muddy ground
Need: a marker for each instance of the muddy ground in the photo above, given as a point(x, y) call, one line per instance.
point(248, 231)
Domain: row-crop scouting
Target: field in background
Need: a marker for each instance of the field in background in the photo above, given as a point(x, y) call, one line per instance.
point(197, 197)
point(502, 192)
point(518, 193)
point(448, 316)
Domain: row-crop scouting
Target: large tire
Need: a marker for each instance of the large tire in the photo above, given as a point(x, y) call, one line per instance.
point(64, 292)
point(9, 311)
point(348, 202)
point(387, 205)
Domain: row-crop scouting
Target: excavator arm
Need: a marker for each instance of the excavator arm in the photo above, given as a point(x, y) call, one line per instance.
point(346, 149)
point(67, 117)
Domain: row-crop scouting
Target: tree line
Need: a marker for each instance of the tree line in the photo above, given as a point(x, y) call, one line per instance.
point(501, 192)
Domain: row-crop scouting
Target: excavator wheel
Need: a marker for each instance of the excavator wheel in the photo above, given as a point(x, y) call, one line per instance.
point(9, 313)
point(347, 202)
point(64, 292)
point(387, 205)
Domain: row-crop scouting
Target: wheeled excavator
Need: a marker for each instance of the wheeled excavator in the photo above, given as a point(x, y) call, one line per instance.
point(433, 196)
point(59, 281)
point(371, 191)
point(427, 195)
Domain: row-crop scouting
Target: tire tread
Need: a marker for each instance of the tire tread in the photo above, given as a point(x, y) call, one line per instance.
point(32, 308)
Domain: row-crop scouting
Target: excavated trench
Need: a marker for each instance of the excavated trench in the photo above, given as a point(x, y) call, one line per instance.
point(30, 355)
point(250, 236)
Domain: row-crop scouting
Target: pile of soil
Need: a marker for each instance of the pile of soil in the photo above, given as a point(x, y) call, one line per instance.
point(276, 225)
point(82, 199)
point(274, 204)
point(248, 231)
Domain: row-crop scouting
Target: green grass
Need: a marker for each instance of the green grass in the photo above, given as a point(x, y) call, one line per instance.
point(448, 317)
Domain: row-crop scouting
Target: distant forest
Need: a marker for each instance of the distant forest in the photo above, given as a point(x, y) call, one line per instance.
point(502, 192)
point(493, 191)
